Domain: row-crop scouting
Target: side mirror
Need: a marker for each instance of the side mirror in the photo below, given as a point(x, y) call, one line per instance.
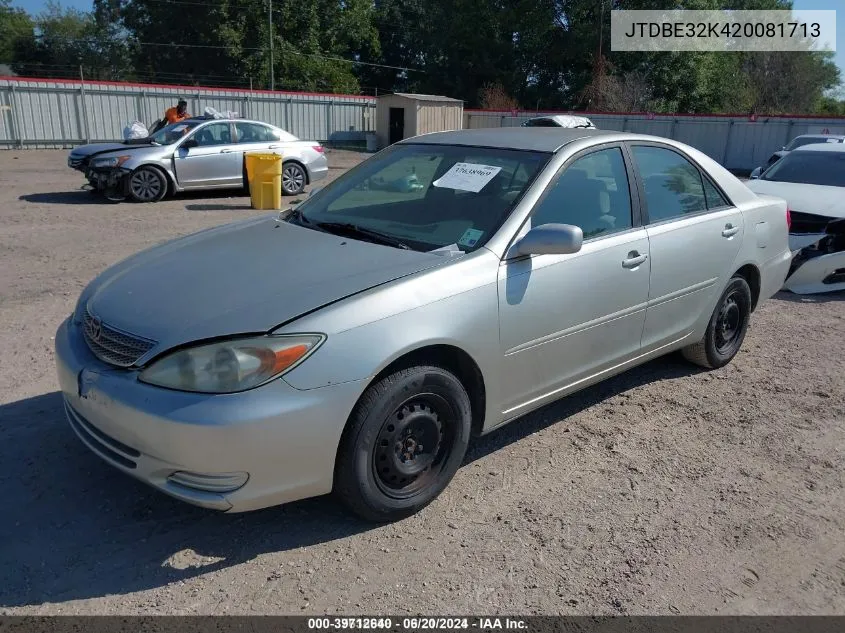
point(313, 191)
point(755, 174)
point(550, 239)
point(191, 142)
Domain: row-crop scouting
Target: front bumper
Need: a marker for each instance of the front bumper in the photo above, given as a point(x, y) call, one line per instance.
point(109, 179)
point(284, 438)
point(77, 162)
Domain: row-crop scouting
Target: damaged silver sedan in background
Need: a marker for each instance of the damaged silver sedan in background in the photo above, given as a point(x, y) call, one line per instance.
point(812, 181)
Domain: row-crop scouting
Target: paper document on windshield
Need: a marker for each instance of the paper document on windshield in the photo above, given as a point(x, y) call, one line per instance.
point(467, 177)
point(451, 249)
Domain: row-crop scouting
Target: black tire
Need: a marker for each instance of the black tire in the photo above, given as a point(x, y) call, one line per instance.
point(727, 328)
point(147, 184)
point(405, 440)
point(294, 179)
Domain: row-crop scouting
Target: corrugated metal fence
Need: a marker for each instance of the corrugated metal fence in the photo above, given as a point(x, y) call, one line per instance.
point(736, 142)
point(63, 113)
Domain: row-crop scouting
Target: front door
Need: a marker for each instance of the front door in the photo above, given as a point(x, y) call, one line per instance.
point(695, 235)
point(212, 162)
point(567, 318)
point(397, 125)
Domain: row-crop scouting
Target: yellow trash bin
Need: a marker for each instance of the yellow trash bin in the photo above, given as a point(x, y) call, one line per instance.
point(264, 174)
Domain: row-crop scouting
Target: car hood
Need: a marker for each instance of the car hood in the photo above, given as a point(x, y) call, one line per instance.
point(815, 199)
point(241, 278)
point(100, 148)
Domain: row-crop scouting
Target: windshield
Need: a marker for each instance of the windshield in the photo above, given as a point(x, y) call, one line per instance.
point(809, 140)
point(809, 167)
point(173, 132)
point(427, 196)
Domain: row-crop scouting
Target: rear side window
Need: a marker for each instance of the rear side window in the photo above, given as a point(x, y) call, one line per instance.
point(673, 185)
point(714, 198)
point(255, 133)
point(592, 193)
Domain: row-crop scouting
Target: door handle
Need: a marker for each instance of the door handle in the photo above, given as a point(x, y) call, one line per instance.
point(276, 146)
point(730, 230)
point(634, 260)
point(227, 151)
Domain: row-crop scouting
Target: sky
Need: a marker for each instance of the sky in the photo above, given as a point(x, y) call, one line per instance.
point(35, 6)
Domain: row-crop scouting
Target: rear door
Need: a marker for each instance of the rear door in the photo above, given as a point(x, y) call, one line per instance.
point(694, 235)
point(567, 318)
point(213, 162)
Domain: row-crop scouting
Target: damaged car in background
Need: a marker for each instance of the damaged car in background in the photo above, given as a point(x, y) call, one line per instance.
point(200, 153)
point(812, 181)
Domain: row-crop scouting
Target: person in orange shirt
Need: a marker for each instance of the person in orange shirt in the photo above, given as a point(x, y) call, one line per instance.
point(177, 113)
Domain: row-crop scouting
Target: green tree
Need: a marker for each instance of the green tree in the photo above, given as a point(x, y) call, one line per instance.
point(64, 40)
point(15, 27)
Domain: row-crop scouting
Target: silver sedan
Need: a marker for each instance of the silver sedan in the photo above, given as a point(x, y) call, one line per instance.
point(196, 154)
point(446, 286)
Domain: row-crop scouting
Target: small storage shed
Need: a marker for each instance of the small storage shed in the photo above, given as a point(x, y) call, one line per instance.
point(401, 115)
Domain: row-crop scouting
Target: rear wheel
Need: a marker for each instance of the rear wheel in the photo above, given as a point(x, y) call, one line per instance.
point(147, 184)
point(403, 444)
point(727, 328)
point(294, 179)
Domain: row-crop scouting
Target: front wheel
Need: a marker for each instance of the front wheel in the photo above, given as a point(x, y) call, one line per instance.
point(147, 184)
point(293, 179)
point(726, 329)
point(405, 440)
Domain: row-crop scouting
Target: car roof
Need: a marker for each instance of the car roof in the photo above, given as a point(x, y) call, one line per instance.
point(539, 139)
point(821, 147)
point(837, 136)
point(202, 119)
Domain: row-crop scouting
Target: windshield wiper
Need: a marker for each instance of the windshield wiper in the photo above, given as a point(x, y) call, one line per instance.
point(354, 229)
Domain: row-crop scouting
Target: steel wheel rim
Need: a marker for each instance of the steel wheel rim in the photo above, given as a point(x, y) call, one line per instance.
point(413, 446)
point(293, 179)
point(145, 185)
point(729, 323)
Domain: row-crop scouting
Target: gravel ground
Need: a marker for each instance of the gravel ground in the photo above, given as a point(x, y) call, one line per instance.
point(664, 490)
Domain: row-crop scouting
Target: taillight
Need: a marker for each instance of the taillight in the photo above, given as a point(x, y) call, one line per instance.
point(788, 219)
point(318, 148)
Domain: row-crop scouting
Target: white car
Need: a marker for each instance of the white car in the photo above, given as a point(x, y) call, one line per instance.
point(560, 120)
point(812, 181)
point(798, 141)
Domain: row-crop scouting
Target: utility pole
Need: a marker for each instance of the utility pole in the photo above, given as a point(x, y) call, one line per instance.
point(270, 14)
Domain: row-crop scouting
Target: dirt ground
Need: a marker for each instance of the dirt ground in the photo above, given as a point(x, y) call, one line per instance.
point(665, 490)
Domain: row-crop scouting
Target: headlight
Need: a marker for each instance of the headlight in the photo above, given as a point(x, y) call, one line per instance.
point(116, 161)
point(231, 366)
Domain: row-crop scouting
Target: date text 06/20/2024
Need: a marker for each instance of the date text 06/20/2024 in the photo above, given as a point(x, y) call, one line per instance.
point(416, 624)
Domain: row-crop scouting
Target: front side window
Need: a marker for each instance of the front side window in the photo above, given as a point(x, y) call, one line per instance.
point(427, 196)
point(673, 185)
point(810, 167)
point(172, 133)
point(541, 123)
point(592, 193)
point(213, 134)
